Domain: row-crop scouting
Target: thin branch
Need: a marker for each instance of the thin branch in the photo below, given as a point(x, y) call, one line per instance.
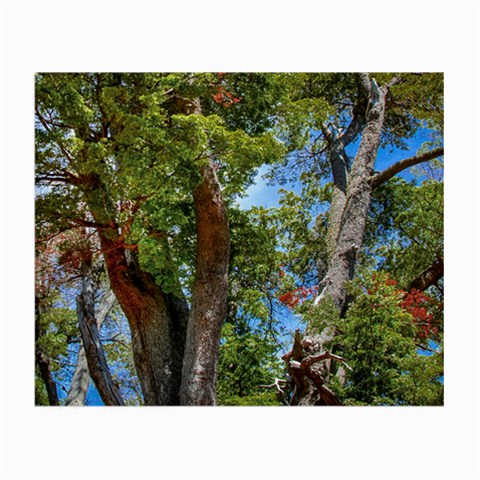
point(311, 359)
point(398, 167)
point(276, 384)
point(423, 347)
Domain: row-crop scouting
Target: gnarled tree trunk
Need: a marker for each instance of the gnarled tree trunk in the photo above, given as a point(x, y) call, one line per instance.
point(158, 323)
point(97, 363)
point(77, 392)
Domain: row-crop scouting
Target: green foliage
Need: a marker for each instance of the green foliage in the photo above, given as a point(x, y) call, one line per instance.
point(262, 399)
point(406, 228)
point(255, 273)
point(127, 149)
point(41, 396)
point(377, 340)
point(318, 318)
point(59, 325)
point(117, 345)
point(247, 361)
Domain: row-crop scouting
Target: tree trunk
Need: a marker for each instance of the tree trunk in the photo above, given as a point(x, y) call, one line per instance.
point(348, 236)
point(209, 303)
point(157, 321)
point(174, 364)
point(97, 363)
point(158, 324)
point(340, 164)
point(77, 393)
point(43, 361)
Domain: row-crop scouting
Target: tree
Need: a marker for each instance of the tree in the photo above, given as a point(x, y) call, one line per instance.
point(138, 157)
point(379, 340)
point(383, 110)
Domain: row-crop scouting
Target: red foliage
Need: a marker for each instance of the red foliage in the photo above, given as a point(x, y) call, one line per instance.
point(224, 97)
point(417, 304)
point(292, 298)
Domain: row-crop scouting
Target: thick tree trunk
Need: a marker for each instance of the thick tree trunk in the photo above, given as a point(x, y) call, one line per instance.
point(43, 362)
point(357, 203)
point(209, 303)
point(77, 393)
point(158, 324)
point(174, 365)
point(97, 363)
point(158, 321)
point(340, 164)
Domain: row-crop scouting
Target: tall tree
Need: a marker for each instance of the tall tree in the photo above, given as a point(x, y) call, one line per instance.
point(140, 157)
point(378, 114)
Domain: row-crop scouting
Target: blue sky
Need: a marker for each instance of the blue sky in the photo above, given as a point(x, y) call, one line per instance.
point(262, 194)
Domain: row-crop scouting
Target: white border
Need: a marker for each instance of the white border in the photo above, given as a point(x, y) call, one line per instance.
point(240, 442)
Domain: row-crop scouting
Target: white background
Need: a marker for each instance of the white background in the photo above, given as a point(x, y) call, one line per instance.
point(244, 442)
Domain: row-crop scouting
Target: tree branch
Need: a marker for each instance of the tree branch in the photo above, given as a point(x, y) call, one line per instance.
point(429, 276)
point(310, 360)
point(276, 384)
point(398, 167)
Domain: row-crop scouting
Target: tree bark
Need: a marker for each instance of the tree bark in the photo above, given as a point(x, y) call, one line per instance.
point(348, 240)
point(357, 203)
point(77, 393)
point(430, 276)
point(157, 321)
point(97, 363)
point(209, 302)
point(339, 162)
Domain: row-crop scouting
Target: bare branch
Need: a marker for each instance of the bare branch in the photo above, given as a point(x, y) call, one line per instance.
point(310, 360)
point(398, 167)
point(276, 384)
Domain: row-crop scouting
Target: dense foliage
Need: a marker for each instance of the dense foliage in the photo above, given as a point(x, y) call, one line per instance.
point(120, 159)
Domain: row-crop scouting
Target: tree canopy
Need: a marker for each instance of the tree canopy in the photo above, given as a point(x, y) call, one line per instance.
point(155, 282)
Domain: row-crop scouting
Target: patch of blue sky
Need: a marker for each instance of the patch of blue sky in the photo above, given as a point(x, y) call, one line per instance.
point(260, 194)
point(431, 349)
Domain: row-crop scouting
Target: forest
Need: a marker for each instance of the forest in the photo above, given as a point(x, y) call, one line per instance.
point(239, 239)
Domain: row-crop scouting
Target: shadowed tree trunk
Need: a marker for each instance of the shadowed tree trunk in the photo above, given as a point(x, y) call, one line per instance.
point(157, 320)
